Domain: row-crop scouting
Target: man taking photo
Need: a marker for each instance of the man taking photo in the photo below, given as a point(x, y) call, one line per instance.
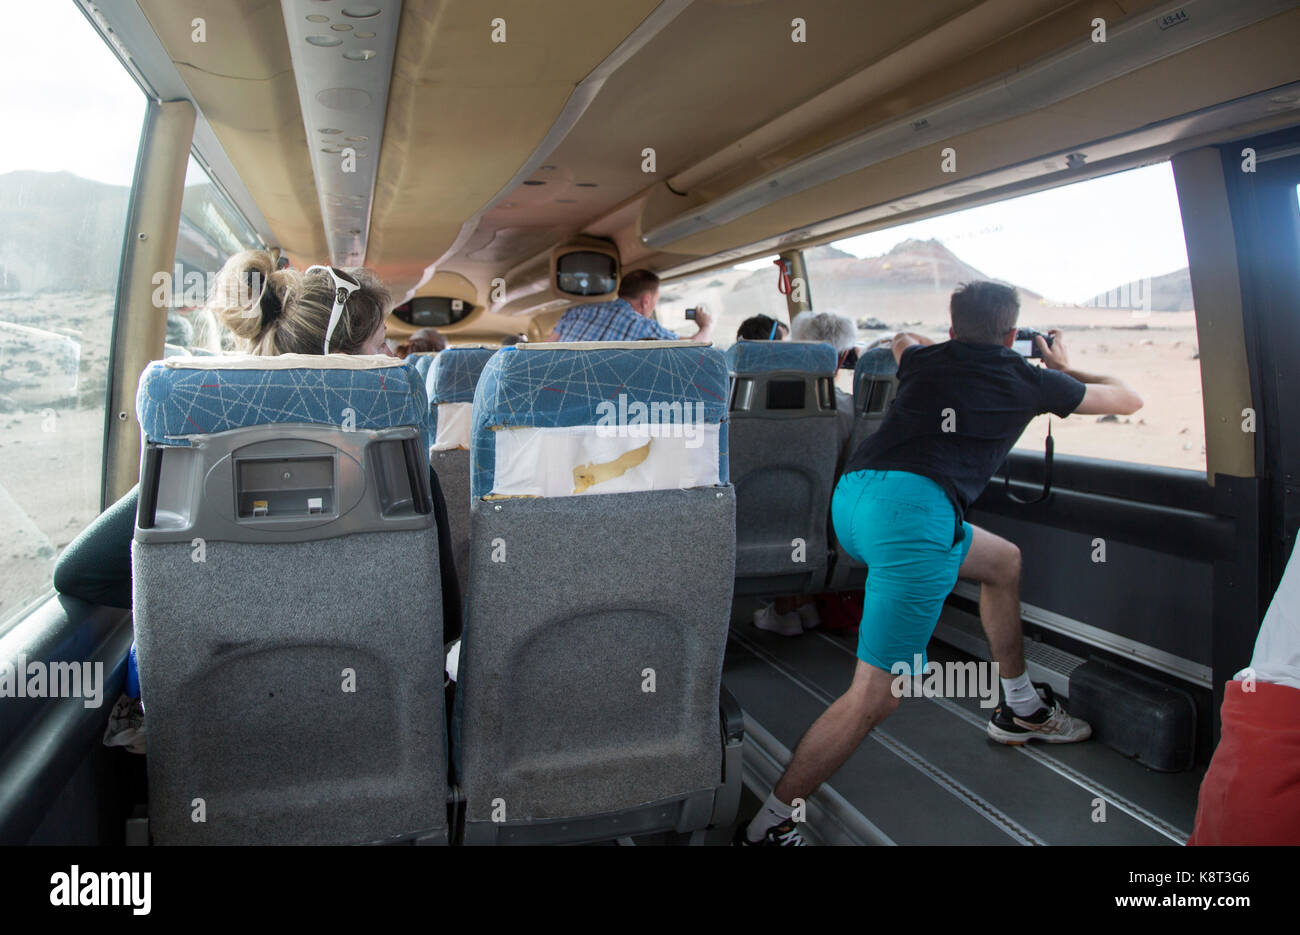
point(630, 317)
point(899, 509)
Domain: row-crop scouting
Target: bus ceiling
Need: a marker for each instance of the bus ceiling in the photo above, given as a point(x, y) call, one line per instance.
point(421, 138)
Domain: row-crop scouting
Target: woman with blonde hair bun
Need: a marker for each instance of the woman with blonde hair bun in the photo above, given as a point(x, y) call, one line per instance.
point(285, 311)
point(269, 311)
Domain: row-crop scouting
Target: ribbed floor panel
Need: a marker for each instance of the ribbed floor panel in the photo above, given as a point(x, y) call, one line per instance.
point(931, 776)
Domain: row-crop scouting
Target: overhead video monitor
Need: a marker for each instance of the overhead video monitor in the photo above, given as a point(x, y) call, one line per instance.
point(433, 311)
point(586, 272)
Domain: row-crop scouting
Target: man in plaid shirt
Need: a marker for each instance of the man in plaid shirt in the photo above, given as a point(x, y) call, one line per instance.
point(627, 318)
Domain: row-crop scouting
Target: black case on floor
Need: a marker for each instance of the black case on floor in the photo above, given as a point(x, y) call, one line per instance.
point(1141, 718)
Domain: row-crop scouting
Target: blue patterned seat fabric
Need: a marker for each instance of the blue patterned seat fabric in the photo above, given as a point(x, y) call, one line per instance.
point(874, 364)
point(552, 388)
point(423, 364)
point(174, 402)
point(454, 376)
point(422, 361)
point(770, 356)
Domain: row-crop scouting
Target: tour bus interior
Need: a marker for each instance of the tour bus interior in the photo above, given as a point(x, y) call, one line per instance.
point(878, 153)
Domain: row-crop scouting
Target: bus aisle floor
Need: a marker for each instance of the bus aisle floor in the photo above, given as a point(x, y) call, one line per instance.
point(930, 775)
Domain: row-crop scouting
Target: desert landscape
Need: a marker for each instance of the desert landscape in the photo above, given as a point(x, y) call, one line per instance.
point(60, 245)
point(53, 374)
point(908, 289)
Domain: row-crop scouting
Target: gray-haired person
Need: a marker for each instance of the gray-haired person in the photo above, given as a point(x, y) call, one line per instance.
point(841, 333)
point(790, 615)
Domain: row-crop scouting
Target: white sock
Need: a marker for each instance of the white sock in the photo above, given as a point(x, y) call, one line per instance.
point(1021, 695)
point(773, 812)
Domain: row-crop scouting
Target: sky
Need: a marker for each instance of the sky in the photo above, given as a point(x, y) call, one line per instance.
point(85, 119)
point(1067, 244)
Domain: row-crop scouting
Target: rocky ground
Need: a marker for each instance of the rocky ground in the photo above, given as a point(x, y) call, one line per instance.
point(1156, 354)
point(53, 366)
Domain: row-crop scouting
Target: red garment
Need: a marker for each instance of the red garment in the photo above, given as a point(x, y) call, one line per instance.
point(1251, 792)
point(840, 611)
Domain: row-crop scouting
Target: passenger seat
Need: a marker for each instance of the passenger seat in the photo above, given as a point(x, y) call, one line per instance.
point(288, 611)
point(423, 364)
point(452, 380)
point(601, 574)
point(875, 384)
point(785, 445)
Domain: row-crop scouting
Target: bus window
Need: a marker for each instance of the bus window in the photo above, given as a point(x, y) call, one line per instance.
point(729, 295)
point(211, 231)
point(71, 138)
point(1103, 260)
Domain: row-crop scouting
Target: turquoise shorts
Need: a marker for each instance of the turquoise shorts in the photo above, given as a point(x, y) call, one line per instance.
point(902, 527)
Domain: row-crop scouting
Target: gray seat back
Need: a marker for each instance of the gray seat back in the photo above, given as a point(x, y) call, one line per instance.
point(785, 445)
point(451, 382)
point(875, 384)
point(591, 664)
point(293, 694)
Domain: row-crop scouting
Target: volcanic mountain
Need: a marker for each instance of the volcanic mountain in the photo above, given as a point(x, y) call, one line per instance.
point(911, 282)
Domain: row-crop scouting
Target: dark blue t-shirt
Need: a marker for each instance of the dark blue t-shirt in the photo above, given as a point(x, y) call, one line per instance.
point(959, 410)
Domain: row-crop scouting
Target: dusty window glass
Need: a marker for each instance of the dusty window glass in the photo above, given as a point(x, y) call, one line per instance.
point(211, 231)
point(66, 169)
point(1103, 260)
point(730, 295)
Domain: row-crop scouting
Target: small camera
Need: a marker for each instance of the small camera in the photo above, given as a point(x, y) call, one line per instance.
point(1025, 344)
point(690, 313)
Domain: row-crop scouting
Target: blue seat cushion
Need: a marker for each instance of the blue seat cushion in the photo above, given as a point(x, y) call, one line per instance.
point(874, 364)
point(559, 387)
point(190, 396)
point(423, 362)
point(770, 356)
point(455, 375)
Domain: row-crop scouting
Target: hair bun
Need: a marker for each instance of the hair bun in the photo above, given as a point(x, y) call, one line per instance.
point(270, 304)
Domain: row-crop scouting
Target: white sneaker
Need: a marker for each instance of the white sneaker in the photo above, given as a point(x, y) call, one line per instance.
point(1050, 723)
point(126, 725)
point(766, 618)
point(809, 617)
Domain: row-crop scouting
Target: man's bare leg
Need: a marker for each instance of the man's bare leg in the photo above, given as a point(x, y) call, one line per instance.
point(836, 734)
point(995, 564)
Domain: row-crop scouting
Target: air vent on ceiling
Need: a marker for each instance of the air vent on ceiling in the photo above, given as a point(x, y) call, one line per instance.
point(343, 77)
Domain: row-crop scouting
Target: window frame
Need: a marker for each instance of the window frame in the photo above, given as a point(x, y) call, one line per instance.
point(987, 200)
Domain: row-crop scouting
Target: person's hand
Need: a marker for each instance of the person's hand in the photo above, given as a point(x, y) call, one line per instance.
point(1054, 356)
point(702, 318)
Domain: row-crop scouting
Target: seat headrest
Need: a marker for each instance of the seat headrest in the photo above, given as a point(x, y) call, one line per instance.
point(456, 373)
point(422, 361)
point(877, 363)
point(557, 386)
point(769, 356)
point(185, 396)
